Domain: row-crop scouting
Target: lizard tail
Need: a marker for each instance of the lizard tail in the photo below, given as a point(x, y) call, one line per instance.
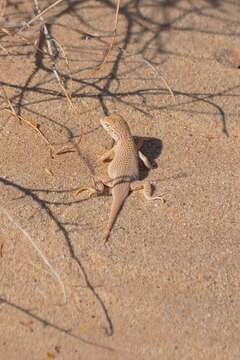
point(119, 194)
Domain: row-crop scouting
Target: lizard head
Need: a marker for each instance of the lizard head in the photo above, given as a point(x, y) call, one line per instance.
point(116, 126)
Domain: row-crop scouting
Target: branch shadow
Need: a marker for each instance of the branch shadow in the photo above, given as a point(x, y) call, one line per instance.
point(149, 24)
point(61, 227)
point(47, 323)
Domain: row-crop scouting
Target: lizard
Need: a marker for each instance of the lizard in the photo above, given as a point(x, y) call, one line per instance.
point(123, 169)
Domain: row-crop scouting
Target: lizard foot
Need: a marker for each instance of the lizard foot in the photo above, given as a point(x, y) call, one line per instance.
point(91, 191)
point(147, 190)
point(96, 189)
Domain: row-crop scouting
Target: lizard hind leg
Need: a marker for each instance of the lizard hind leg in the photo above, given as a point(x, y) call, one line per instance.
point(91, 191)
point(146, 186)
point(98, 188)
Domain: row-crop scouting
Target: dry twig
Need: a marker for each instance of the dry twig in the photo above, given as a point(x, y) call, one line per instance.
point(110, 47)
point(51, 46)
point(33, 125)
point(40, 14)
point(159, 75)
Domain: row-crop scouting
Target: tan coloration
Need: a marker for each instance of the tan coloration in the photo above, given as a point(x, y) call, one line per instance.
point(171, 284)
point(123, 170)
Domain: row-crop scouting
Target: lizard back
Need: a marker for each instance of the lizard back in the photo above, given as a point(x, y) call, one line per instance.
point(125, 161)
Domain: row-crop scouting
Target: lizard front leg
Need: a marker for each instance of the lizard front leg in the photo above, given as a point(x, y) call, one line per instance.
point(145, 160)
point(146, 186)
point(108, 155)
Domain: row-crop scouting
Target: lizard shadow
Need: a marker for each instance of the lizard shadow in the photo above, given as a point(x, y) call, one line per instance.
point(151, 148)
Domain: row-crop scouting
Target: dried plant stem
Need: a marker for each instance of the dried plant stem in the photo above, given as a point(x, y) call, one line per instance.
point(3, 8)
point(48, 40)
point(40, 253)
point(51, 46)
point(110, 47)
point(148, 63)
point(159, 75)
point(38, 16)
point(5, 50)
point(21, 119)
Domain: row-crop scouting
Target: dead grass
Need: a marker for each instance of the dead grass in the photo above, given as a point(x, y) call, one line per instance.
point(111, 45)
point(30, 123)
point(37, 249)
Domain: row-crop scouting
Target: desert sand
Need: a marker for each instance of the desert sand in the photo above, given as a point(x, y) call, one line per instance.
point(167, 287)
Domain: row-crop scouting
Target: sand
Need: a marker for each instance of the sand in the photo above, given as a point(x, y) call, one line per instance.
point(167, 287)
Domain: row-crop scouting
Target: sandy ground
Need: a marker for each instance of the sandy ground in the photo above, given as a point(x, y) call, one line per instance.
point(168, 285)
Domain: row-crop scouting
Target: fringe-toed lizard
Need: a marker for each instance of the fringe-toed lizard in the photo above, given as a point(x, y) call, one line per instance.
point(123, 170)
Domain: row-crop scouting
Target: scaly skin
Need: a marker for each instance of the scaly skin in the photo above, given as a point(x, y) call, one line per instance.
point(124, 166)
point(123, 170)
